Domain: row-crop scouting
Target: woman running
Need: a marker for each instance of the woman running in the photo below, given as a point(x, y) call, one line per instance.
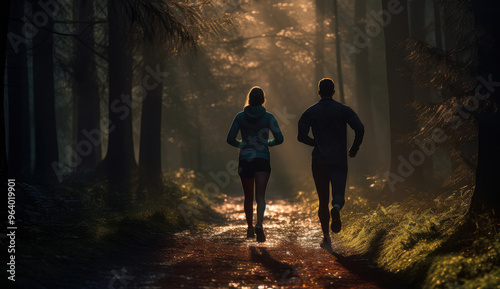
point(254, 165)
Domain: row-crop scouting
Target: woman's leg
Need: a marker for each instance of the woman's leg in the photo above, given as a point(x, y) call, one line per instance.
point(261, 179)
point(248, 185)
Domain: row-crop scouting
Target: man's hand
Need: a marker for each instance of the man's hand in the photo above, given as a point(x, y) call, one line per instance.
point(352, 153)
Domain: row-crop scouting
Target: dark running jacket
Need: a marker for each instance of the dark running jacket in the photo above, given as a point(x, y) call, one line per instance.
point(328, 120)
point(254, 123)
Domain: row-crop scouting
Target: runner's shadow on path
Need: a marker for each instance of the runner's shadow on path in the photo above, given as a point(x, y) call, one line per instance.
point(280, 270)
point(360, 266)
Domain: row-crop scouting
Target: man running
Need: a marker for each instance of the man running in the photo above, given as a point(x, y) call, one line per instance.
point(328, 119)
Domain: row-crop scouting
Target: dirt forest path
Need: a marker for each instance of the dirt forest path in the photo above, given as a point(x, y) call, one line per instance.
point(222, 257)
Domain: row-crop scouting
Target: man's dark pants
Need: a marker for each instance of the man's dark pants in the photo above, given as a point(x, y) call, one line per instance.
point(323, 175)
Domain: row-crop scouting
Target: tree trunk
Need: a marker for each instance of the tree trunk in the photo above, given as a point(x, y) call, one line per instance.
point(3, 49)
point(437, 25)
point(120, 160)
point(150, 173)
point(369, 161)
point(486, 196)
point(449, 32)
point(85, 89)
point(400, 92)
point(18, 95)
point(338, 53)
point(46, 147)
point(417, 18)
point(418, 32)
point(320, 40)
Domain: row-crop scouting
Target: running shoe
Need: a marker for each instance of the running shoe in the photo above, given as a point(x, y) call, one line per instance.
point(326, 244)
point(336, 223)
point(261, 237)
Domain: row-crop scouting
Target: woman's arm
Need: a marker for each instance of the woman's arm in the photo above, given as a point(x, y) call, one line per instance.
point(275, 129)
point(233, 132)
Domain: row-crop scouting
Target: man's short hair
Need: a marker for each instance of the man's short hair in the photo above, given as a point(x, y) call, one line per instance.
point(326, 87)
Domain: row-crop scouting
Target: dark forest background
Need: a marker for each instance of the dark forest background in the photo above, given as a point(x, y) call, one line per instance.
point(116, 106)
point(128, 90)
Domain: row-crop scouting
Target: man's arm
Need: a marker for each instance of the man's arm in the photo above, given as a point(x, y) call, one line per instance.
point(304, 126)
point(359, 131)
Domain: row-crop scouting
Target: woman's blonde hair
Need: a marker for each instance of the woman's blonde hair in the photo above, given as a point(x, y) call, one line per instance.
point(256, 96)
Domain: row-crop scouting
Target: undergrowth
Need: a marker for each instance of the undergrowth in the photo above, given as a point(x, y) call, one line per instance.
point(426, 241)
point(65, 228)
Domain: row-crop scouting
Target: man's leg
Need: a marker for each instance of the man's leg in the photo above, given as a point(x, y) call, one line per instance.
point(322, 181)
point(338, 178)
